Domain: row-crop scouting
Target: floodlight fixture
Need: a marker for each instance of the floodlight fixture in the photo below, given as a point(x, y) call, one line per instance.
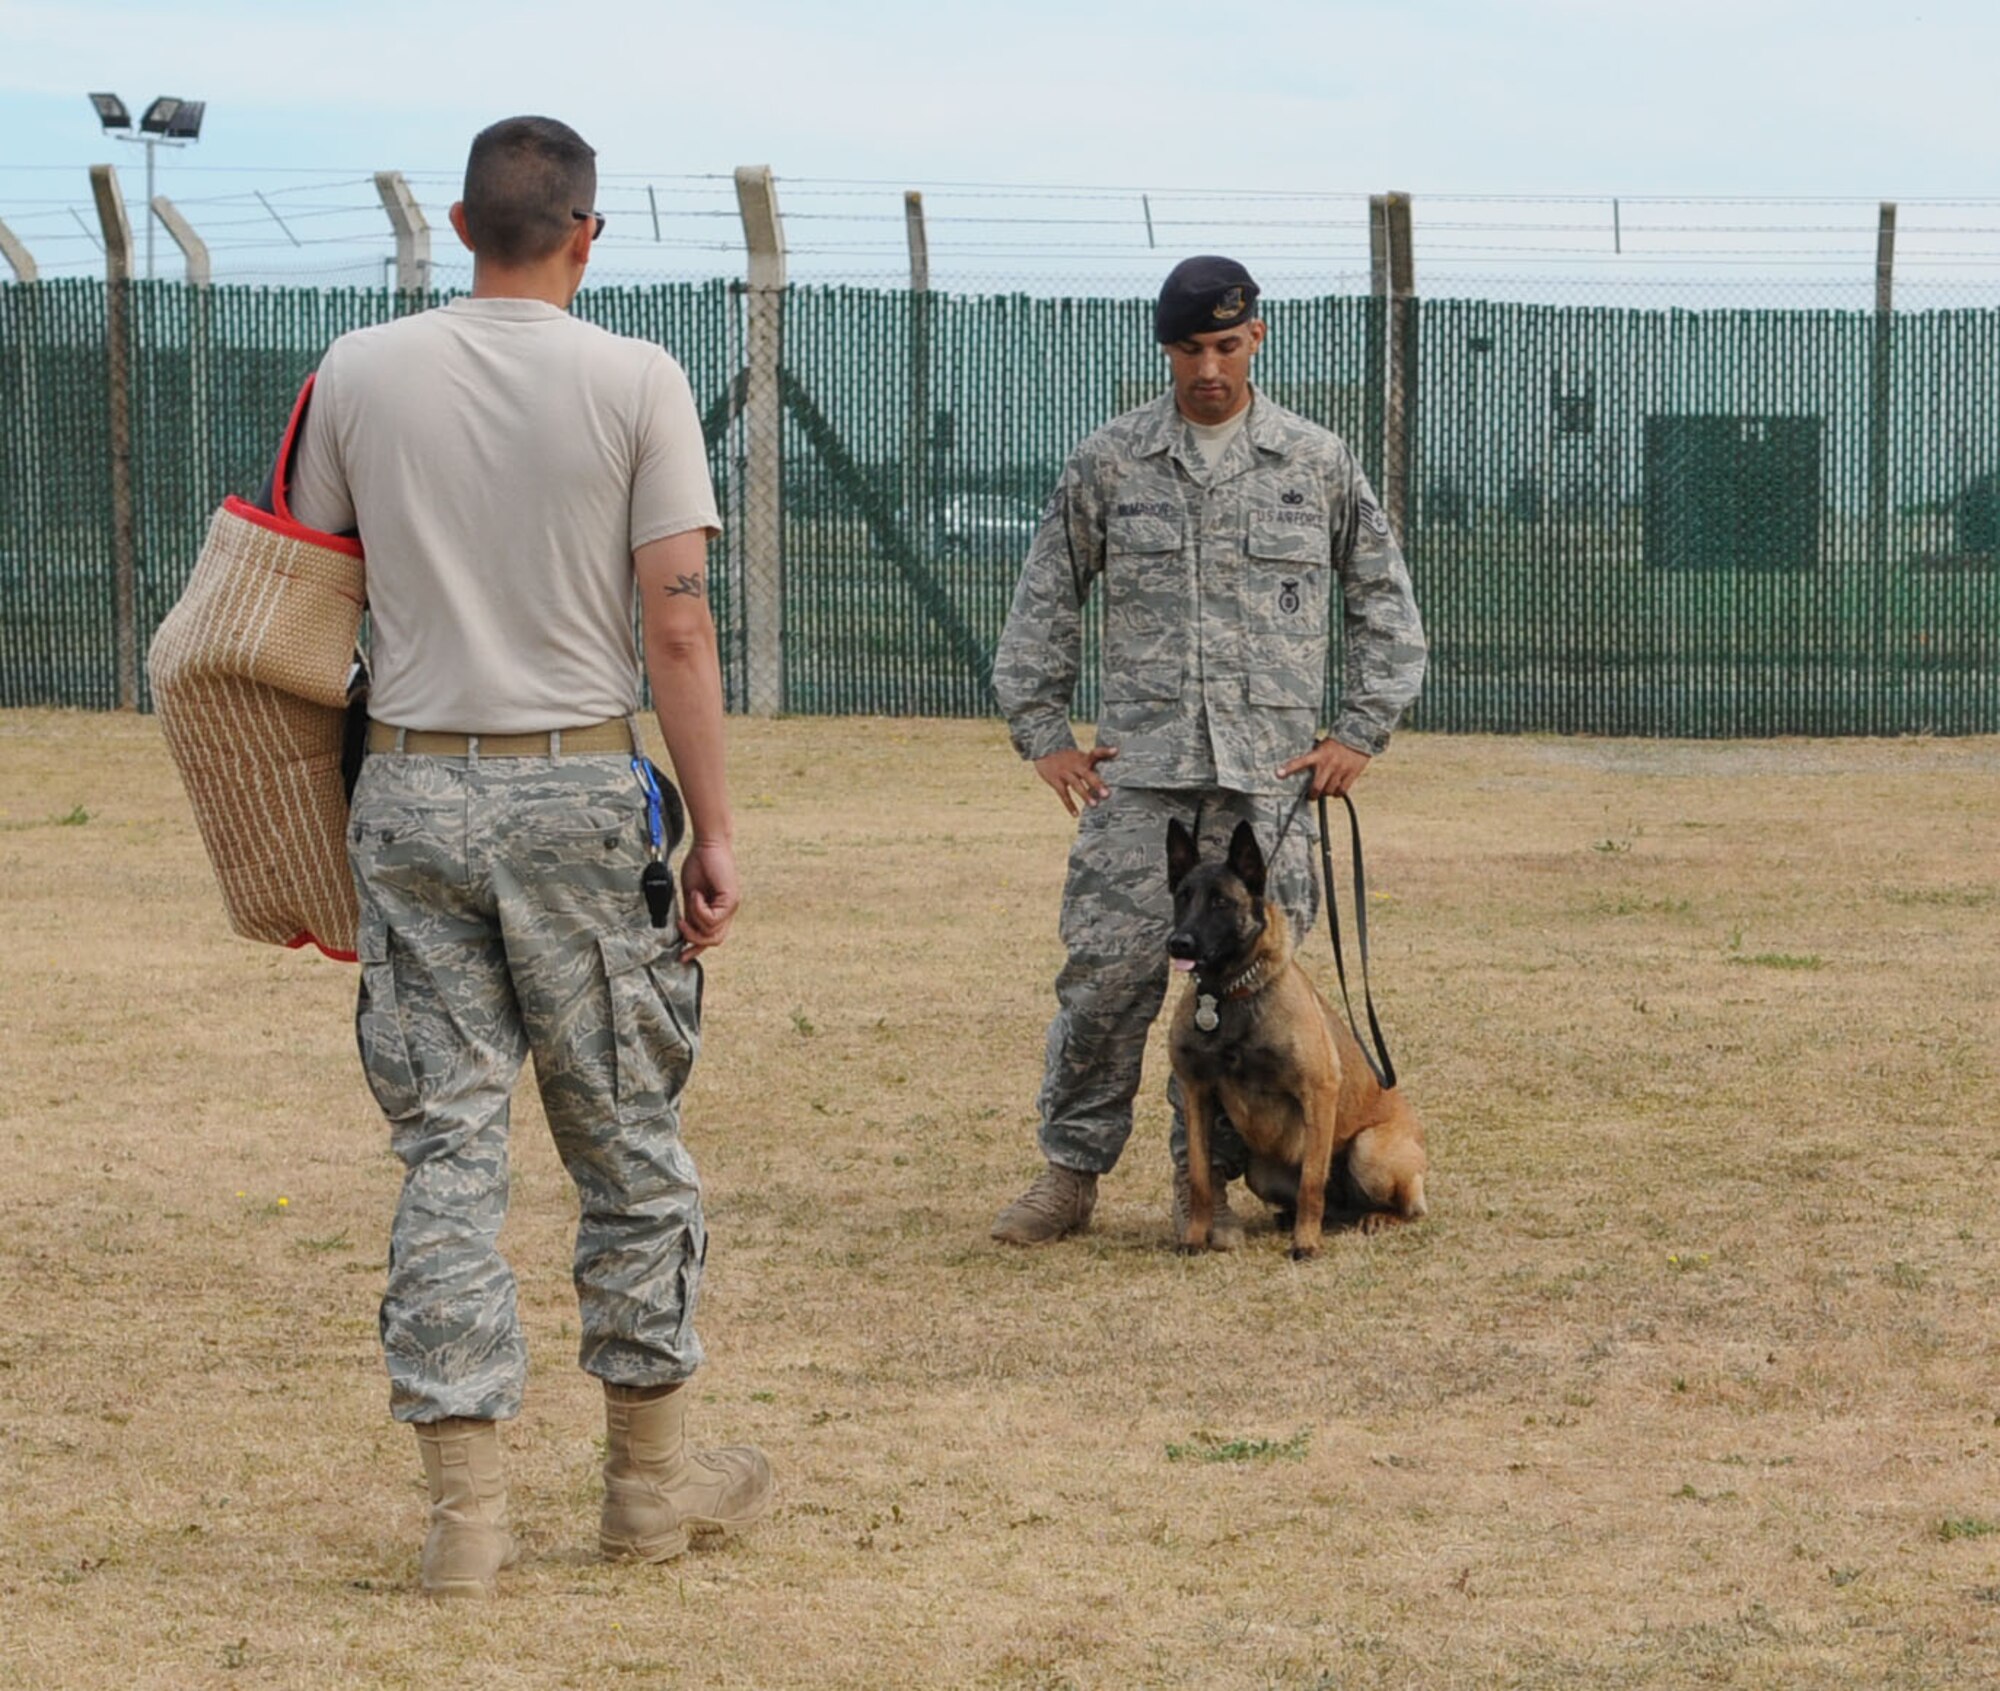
point(159, 115)
point(168, 122)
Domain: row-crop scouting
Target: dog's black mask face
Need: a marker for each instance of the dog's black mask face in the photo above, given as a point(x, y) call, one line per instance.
point(1218, 907)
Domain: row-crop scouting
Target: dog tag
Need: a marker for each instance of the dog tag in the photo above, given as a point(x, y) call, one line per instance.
point(1205, 1017)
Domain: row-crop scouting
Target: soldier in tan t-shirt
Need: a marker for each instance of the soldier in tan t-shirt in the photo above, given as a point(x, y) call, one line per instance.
point(513, 473)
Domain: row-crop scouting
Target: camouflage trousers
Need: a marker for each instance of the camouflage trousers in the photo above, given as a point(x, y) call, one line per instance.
point(1117, 912)
point(501, 916)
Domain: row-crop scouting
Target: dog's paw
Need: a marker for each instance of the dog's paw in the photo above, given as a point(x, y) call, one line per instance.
point(1191, 1247)
point(1304, 1253)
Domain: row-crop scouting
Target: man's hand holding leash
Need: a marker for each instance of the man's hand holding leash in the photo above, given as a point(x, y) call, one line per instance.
point(1334, 764)
point(1074, 776)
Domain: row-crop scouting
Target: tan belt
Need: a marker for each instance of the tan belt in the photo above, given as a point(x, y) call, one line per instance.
point(612, 736)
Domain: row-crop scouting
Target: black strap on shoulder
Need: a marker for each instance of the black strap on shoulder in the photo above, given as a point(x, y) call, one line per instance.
point(1384, 1070)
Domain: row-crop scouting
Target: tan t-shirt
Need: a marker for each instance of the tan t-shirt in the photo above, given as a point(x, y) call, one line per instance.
point(1211, 440)
point(501, 460)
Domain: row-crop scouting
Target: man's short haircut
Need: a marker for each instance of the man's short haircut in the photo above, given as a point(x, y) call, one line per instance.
point(523, 179)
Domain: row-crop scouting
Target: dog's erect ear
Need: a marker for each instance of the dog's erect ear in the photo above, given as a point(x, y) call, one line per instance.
point(1246, 859)
point(1182, 854)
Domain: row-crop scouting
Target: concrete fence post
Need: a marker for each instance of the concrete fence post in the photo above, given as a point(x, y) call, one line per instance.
point(194, 250)
point(1881, 376)
point(919, 493)
point(117, 233)
point(29, 321)
point(759, 553)
point(19, 259)
point(1400, 428)
point(1375, 395)
point(413, 237)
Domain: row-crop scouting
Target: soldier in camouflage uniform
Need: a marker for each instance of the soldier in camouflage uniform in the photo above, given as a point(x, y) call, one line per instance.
point(514, 474)
point(1222, 526)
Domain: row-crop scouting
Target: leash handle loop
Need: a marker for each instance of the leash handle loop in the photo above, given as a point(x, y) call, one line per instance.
point(1384, 1070)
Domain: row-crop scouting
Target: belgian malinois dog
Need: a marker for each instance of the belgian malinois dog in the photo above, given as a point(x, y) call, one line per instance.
point(1254, 1038)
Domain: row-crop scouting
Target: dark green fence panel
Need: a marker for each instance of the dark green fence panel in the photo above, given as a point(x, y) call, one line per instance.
point(923, 438)
point(57, 644)
point(1796, 554)
point(1723, 523)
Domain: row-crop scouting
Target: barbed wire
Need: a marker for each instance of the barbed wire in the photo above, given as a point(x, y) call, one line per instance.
point(1073, 237)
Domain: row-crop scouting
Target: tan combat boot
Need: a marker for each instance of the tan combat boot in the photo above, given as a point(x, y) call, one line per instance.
point(1225, 1226)
point(657, 1492)
point(1057, 1204)
point(468, 1542)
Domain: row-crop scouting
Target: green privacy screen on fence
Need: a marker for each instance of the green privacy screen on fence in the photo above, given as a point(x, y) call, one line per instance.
point(1635, 522)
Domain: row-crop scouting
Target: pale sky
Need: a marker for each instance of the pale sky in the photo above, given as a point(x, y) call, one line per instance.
point(1704, 98)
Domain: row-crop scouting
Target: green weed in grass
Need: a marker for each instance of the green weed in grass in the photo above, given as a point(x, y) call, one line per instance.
point(1782, 960)
point(1966, 1526)
point(1212, 1447)
point(1903, 1276)
point(1951, 898)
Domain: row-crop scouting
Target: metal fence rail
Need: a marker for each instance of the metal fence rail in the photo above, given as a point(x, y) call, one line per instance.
point(1644, 522)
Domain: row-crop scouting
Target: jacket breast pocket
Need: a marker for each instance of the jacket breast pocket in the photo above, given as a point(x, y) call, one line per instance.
point(1145, 608)
point(1286, 585)
point(1141, 537)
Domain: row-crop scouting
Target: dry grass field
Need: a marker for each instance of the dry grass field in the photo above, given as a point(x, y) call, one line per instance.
point(1689, 1380)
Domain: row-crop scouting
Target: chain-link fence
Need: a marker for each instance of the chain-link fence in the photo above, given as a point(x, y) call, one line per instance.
point(1631, 521)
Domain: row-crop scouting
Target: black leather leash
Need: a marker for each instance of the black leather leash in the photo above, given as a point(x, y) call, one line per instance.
point(1385, 1070)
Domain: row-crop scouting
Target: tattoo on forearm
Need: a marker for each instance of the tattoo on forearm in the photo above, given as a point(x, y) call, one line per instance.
point(694, 584)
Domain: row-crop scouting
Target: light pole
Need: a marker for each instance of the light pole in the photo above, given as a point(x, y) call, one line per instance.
point(167, 122)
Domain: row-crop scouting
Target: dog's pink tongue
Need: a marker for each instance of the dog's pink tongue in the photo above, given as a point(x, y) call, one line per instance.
point(1183, 965)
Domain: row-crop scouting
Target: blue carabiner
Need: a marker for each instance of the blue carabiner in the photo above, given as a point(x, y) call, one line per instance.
point(656, 830)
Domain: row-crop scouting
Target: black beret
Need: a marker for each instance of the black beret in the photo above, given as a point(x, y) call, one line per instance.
point(1201, 295)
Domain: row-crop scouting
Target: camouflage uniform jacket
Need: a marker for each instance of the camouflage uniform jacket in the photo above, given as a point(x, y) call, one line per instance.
point(1217, 595)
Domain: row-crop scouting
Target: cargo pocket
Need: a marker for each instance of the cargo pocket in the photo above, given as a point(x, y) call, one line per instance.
point(655, 1019)
point(378, 1024)
point(687, 1347)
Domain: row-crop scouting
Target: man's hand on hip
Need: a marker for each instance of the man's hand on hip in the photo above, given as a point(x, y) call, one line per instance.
point(1335, 767)
point(1074, 776)
point(709, 896)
